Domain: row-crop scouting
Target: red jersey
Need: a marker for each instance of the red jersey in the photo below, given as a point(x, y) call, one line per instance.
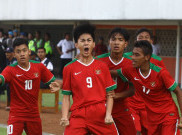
point(155, 90)
point(120, 105)
point(25, 85)
point(87, 83)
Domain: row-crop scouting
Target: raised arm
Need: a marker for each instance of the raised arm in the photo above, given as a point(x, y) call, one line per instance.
point(65, 110)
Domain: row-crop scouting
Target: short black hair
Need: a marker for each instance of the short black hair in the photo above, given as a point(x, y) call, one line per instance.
point(145, 46)
point(42, 48)
point(20, 41)
point(121, 31)
point(144, 30)
point(83, 29)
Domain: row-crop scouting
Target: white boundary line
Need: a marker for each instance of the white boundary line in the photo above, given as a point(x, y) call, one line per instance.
point(5, 126)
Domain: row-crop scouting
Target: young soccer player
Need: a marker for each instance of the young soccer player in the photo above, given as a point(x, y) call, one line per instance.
point(24, 80)
point(154, 84)
point(87, 80)
point(118, 41)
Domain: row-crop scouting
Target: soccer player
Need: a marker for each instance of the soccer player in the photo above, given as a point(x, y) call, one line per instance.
point(87, 80)
point(118, 41)
point(154, 84)
point(24, 80)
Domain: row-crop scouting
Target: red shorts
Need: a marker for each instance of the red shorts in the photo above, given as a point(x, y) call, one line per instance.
point(90, 119)
point(168, 127)
point(140, 120)
point(30, 127)
point(125, 124)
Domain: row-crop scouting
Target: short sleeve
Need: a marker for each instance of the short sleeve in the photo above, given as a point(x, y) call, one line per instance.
point(168, 81)
point(6, 75)
point(60, 43)
point(46, 76)
point(67, 81)
point(110, 84)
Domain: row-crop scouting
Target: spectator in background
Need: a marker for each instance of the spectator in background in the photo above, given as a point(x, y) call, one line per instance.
point(38, 39)
point(65, 48)
point(156, 47)
point(41, 52)
point(33, 56)
point(10, 59)
point(47, 45)
point(9, 40)
point(15, 34)
point(31, 42)
point(1, 35)
point(100, 48)
point(23, 35)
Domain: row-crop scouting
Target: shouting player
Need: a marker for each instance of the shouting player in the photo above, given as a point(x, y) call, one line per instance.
point(154, 84)
point(87, 80)
point(118, 41)
point(24, 80)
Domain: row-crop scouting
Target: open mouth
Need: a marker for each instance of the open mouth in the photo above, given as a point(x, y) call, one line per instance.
point(86, 49)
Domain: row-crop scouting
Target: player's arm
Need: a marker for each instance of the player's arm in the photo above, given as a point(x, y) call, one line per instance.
point(0, 81)
point(178, 93)
point(65, 110)
point(109, 105)
point(127, 93)
point(56, 85)
point(114, 73)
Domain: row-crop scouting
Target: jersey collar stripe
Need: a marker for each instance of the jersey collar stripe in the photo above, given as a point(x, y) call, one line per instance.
point(173, 86)
point(121, 75)
point(51, 80)
point(25, 69)
point(145, 77)
point(86, 64)
point(3, 80)
point(116, 63)
point(66, 92)
point(111, 87)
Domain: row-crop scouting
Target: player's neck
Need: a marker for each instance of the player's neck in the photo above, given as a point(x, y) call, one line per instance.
point(116, 57)
point(86, 60)
point(24, 65)
point(145, 68)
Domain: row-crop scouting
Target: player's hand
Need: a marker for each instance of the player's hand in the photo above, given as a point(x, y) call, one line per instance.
point(64, 122)
point(54, 86)
point(109, 120)
point(180, 124)
point(111, 94)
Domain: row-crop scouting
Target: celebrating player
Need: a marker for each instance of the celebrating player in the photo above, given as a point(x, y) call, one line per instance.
point(24, 80)
point(154, 84)
point(87, 80)
point(118, 41)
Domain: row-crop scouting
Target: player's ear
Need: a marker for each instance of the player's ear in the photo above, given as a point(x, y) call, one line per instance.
point(76, 45)
point(93, 44)
point(147, 57)
point(126, 44)
point(29, 51)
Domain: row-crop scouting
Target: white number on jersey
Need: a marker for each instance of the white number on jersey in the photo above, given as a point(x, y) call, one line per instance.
point(145, 91)
point(28, 84)
point(89, 82)
point(10, 129)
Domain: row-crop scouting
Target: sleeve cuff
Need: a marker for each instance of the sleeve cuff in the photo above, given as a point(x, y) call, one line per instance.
point(111, 87)
point(3, 80)
point(173, 87)
point(66, 92)
point(122, 76)
point(52, 80)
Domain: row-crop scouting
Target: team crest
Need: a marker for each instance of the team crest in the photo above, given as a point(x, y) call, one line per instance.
point(98, 71)
point(152, 84)
point(36, 74)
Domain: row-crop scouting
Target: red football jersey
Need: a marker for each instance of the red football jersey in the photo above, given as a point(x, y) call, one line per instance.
point(87, 83)
point(155, 90)
point(25, 85)
point(120, 105)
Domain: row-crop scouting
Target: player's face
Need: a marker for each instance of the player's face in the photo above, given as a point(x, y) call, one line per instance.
point(22, 53)
point(138, 57)
point(144, 36)
point(85, 44)
point(41, 54)
point(117, 43)
point(9, 55)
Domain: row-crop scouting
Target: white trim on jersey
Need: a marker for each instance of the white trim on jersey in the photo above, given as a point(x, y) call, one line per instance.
point(25, 69)
point(86, 64)
point(145, 77)
point(176, 128)
point(116, 63)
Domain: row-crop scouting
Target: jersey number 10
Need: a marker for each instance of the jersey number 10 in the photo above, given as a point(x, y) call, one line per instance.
point(28, 84)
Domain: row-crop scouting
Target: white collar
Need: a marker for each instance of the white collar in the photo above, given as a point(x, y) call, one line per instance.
point(25, 69)
point(86, 64)
point(145, 77)
point(114, 62)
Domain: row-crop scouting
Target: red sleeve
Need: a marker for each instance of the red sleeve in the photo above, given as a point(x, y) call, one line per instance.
point(6, 75)
point(46, 76)
point(109, 83)
point(67, 80)
point(158, 63)
point(168, 81)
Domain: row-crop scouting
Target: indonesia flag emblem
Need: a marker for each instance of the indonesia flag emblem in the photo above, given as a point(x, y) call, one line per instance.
point(152, 84)
point(97, 72)
point(36, 74)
